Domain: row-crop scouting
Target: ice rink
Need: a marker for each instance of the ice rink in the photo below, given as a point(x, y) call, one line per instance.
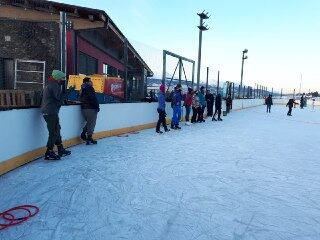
point(253, 176)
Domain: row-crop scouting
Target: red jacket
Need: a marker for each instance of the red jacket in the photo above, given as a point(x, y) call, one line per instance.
point(188, 100)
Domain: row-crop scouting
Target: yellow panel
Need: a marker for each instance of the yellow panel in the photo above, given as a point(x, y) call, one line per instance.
point(97, 80)
point(98, 84)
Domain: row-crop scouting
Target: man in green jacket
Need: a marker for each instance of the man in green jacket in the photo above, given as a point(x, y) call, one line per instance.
point(52, 101)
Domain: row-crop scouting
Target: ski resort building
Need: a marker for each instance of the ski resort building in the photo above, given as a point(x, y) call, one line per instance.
point(32, 36)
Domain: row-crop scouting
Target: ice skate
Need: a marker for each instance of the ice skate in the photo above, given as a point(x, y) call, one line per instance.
point(51, 155)
point(62, 152)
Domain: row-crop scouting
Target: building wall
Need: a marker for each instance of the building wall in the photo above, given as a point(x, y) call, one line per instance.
point(30, 41)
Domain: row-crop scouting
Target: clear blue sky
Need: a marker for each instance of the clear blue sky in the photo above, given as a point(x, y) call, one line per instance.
point(282, 36)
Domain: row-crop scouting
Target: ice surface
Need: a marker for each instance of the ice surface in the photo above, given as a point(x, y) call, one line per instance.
point(253, 176)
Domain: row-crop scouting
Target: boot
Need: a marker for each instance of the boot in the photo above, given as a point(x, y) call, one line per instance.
point(62, 152)
point(83, 135)
point(213, 119)
point(90, 140)
point(167, 130)
point(50, 155)
point(219, 119)
point(177, 127)
point(159, 131)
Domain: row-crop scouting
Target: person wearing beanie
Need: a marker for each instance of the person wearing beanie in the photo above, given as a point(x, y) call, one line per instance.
point(52, 101)
point(218, 107)
point(188, 104)
point(269, 103)
point(89, 109)
point(195, 106)
point(210, 103)
point(176, 105)
point(203, 104)
point(162, 110)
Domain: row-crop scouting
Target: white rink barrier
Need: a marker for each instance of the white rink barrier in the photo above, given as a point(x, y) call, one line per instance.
point(24, 133)
point(284, 101)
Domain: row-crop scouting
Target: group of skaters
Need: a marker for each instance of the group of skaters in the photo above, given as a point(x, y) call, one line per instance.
point(291, 103)
point(52, 100)
point(196, 100)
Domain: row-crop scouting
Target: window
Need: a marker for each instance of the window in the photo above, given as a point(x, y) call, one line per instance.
point(87, 65)
point(105, 69)
point(112, 71)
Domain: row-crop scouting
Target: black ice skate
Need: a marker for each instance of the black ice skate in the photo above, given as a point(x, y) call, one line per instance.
point(50, 155)
point(91, 141)
point(62, 152)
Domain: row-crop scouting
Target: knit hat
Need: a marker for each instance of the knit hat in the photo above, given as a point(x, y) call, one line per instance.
point(162, 88)
point(58, 75)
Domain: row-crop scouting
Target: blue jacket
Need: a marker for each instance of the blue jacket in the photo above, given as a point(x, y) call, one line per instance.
point(177, 98)
point(161, 101)
point(202, 99)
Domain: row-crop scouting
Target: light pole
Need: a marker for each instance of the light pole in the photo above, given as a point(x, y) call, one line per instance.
point(202, 27)
point(244, 57)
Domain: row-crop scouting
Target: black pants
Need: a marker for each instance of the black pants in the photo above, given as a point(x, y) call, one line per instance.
point(210, 109)
point(162, 120)
point(90, 115)
point(290, 110)
point(53, 126)
point(268, 108)
point(188, 108)
point(194, 115)
point(200, 114)
point(218, 110)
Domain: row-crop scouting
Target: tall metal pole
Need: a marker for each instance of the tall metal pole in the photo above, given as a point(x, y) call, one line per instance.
point(193, 69)
point(242, 70)
point(63, 46)
point(207, 83)
point(202, 28)
point(300, 83)
point(164, 67)
point(243, 58)
point(199, 54)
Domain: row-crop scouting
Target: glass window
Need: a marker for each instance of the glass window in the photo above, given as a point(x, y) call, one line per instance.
point(105, 69)
point(87, 65)
point(112, 71)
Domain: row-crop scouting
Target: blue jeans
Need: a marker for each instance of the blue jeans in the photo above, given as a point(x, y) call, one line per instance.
point(176, 115)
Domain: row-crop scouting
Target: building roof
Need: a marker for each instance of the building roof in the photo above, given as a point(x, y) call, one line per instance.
point(77, 11)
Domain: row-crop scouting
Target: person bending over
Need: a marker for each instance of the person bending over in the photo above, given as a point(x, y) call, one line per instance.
point(52, 101)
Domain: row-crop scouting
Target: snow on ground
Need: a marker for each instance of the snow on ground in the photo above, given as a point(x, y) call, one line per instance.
point(252, 176)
